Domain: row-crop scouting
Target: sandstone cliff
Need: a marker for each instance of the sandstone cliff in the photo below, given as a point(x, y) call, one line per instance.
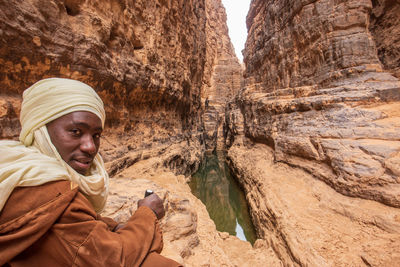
point(384, 26)
point(316, 92)
point(145, 59)
point(320, 103)
point(223, 79)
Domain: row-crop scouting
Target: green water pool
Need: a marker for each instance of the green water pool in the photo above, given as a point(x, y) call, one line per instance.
point(214, 185)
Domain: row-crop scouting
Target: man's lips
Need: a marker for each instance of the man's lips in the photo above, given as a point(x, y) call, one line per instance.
point(83, 163)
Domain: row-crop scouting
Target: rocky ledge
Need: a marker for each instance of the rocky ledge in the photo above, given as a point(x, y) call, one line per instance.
point(305, 221)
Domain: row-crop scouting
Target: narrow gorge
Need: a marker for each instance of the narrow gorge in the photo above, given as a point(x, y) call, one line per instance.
point(310, 122)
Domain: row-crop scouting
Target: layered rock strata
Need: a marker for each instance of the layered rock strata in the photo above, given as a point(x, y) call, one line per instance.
point(306, 222)
point(145, 59)
point(385, 29)
point(320, 111)
point(316, 92)
point(225, 83)
point(224, 79)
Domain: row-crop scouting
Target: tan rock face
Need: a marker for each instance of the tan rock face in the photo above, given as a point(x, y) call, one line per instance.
point(306, 222)
point(316, 122)
point(225, 84)
point(9, 114)
point(384, 27)
point(297, 43)
point(316, 93)
point(98, 44)
point(224, 79)
point(145, 59)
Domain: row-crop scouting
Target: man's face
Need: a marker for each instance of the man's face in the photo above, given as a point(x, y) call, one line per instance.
point(77, 138)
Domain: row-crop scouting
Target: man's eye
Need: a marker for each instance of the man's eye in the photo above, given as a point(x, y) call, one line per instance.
point(97, 136)
point(76, 132)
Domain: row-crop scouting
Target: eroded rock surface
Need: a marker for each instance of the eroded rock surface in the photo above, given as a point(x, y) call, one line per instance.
point(317, 94)
point(385, 28)
point(306, 222)
point(190, 235)
point(314, 132)
point(145, 59)
point(225, 84)
point(224, 80)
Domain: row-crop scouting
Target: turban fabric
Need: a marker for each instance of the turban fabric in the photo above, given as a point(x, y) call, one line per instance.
point(35, 160)
point(52, 98)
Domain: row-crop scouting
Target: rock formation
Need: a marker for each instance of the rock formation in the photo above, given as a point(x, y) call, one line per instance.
point(316, 92)
point(223, 78)
point(145, 59)
point(320, 111)
point(306, 222)
point(384, 26)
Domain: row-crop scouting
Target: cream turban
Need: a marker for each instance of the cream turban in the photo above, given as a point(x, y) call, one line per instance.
point(35, 160)
point(52, 98)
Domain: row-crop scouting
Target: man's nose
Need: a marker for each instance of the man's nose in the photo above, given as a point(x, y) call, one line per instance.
point(88, 145)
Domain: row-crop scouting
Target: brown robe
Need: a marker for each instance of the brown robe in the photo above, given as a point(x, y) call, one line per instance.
point(54, 225)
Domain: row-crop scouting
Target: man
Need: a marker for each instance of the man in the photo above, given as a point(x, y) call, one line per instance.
point(53, 182)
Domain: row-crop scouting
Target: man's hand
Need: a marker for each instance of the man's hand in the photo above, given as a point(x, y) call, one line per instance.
point(154, 203)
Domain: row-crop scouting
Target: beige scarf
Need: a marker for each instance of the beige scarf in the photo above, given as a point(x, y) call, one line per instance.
point(34, 160)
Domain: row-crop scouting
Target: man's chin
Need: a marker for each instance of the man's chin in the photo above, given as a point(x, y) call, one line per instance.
point(79, 167)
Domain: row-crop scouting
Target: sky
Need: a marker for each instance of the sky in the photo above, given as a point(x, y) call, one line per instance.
point(236, 11)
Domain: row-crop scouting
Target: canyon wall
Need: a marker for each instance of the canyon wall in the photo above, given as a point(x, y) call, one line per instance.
point(385, 29)
point(317, 93)
point(223, 78)
point(145, 59)
point(315, 131)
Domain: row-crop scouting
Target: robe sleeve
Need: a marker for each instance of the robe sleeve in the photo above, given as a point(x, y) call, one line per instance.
point(52, 225)
point(110, 222)
point(128, 246)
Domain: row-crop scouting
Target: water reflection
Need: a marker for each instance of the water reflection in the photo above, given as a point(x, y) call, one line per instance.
point(223, 197)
